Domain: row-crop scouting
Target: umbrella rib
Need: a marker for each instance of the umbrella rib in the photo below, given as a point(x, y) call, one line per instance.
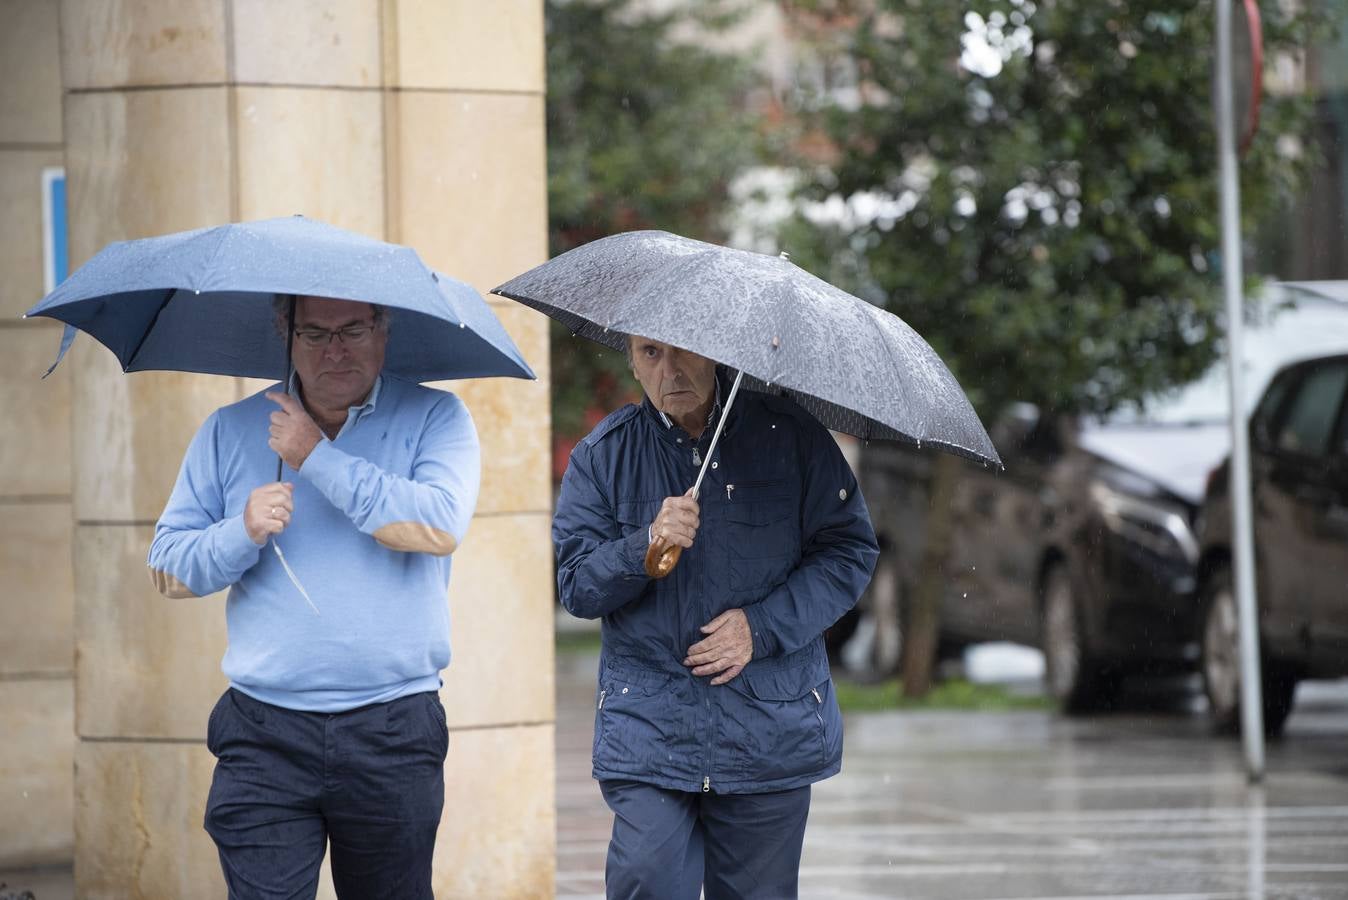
point(131, 360)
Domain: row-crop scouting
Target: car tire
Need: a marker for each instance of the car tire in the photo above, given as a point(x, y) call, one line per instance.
point(1075, 679)
point(1220, 664)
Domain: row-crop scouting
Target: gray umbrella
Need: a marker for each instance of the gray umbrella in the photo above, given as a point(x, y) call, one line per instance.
point(855, 367)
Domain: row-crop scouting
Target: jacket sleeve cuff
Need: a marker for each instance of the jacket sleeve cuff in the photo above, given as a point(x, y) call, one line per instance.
point(633, 552)
point(765, 643)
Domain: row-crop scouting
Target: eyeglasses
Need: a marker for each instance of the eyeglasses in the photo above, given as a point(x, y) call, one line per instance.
point(350, 335)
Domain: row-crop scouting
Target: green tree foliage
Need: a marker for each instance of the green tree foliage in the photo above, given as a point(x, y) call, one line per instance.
point(1033, 184)
point(648, 124)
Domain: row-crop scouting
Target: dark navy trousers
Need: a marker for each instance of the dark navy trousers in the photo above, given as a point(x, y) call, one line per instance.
point(669, 845)
point(369, 782)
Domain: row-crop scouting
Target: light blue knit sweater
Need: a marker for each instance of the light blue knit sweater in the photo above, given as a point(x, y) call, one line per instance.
point(377, 511)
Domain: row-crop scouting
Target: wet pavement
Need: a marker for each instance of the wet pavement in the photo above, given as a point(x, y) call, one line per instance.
point(958, 805)
point(1139, 805)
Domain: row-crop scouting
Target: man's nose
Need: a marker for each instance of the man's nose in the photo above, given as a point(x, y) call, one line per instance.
point(335, 348)
point(673, 367)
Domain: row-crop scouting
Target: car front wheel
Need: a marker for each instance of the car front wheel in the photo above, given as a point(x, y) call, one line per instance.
point(1221, 664)
point(1076, 680)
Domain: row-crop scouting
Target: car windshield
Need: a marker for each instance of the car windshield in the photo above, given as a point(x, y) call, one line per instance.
point(1292, 325)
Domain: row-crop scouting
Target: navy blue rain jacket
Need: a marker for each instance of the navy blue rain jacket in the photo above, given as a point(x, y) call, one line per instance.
point(784, 535)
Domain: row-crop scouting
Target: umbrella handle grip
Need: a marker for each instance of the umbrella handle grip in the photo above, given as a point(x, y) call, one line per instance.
point(662, 557)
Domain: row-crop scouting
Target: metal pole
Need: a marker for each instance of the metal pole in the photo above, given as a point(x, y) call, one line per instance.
point(1251, 705)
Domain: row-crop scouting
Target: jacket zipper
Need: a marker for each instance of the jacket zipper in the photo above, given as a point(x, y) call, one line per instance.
point(751, 484)
point(706, 784)
point(601, 697)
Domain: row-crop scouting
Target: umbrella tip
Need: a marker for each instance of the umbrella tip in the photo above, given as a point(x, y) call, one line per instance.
point(435, 278)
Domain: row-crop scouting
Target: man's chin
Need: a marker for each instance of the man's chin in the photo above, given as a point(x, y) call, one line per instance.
point(679, 403)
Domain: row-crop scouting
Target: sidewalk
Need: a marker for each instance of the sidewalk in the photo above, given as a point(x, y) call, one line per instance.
point(975, 806)
point(966, 806)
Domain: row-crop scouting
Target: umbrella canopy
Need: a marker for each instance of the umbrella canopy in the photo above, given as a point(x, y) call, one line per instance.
point(855, 367)
point(200, 301)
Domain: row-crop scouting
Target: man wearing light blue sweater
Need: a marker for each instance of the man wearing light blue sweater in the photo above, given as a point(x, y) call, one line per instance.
point(332, 729)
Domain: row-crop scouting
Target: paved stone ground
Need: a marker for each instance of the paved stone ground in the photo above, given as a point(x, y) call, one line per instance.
point(1143, 805)
point(969, 806)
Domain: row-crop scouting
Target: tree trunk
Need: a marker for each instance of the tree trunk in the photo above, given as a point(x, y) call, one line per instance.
point(924, 614)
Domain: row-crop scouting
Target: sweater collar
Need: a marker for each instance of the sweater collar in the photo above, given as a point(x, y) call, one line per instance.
point(353, 413)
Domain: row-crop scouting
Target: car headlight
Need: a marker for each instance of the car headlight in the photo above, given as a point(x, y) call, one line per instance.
point(1159, 526)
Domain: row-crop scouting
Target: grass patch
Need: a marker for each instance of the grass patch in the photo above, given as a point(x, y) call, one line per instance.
point(854, 697)
point(579, 643)
point(955, 693)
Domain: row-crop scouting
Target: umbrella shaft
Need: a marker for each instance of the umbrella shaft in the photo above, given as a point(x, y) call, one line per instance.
point(285, 386)
point(716, 436)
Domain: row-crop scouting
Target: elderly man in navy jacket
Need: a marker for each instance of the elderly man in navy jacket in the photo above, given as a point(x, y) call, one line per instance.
point(715, 710)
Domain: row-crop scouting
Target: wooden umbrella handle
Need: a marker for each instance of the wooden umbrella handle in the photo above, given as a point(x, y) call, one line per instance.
point(661, 557)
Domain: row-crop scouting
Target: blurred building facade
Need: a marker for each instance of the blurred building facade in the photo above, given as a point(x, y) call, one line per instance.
point(413, 122)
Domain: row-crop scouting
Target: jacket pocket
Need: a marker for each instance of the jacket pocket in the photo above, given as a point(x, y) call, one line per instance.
point(634, 717)
point(761, 520)
point(780, 724)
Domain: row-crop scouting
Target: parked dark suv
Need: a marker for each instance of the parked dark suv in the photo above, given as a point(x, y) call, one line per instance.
point(1085, 545)
point(1299, 485)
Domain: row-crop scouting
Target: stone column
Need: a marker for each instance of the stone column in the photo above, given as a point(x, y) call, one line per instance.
point(182, 114)
point(466, 166)
point(36, 588)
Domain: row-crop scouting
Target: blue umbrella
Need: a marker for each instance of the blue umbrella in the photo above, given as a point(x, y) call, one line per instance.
point(201, 301)
point(205, 301)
